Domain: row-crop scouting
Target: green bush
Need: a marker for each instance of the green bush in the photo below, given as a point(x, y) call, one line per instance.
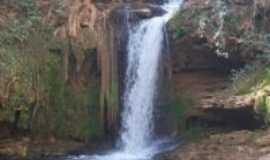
point(249, 78)
point(264, 104)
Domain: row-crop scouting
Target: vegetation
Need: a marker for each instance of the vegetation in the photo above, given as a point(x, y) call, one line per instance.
point(181, 32)
point(254, 80)
point(34, 94)
point(180, 106)
point(45, 92)
point(253, 76)
point(250, 78)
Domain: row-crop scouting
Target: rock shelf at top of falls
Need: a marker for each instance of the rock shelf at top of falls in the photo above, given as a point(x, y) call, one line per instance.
point(147, 10)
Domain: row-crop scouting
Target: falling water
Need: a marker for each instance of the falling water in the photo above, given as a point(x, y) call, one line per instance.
point(144, 48)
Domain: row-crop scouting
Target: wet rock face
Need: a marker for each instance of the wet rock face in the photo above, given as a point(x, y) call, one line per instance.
point(112, 31)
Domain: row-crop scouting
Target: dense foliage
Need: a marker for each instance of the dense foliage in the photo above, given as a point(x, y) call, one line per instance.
point(34, 94)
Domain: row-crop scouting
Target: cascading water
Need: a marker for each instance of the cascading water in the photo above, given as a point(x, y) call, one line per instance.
point(144, 48)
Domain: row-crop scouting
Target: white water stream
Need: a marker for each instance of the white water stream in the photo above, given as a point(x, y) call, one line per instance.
point(144, 48)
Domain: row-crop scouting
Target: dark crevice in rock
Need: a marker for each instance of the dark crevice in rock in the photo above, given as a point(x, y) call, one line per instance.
point(196, 59)
point(232, 119)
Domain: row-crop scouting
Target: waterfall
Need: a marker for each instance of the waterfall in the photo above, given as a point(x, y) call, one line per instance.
point(144, 48)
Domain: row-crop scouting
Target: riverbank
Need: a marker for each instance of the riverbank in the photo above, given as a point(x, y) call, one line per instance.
point(49, 148)
point(242, 144)
point(210, 145)
point(33, 149)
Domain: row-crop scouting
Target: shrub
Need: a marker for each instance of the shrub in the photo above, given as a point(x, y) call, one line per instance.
point(249, 78)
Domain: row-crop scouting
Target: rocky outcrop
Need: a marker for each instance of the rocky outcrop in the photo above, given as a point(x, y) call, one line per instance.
point(213, 104)
point(233, 31)
point(100, 29)
point(217, 102)
point(218, 36)
point(225, 146)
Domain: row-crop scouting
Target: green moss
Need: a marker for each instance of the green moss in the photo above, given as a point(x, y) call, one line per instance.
point(114, 93)
point(181, 32)
point(185, 20)
point(232, 20)
point(179, 106)
point(71, 114)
